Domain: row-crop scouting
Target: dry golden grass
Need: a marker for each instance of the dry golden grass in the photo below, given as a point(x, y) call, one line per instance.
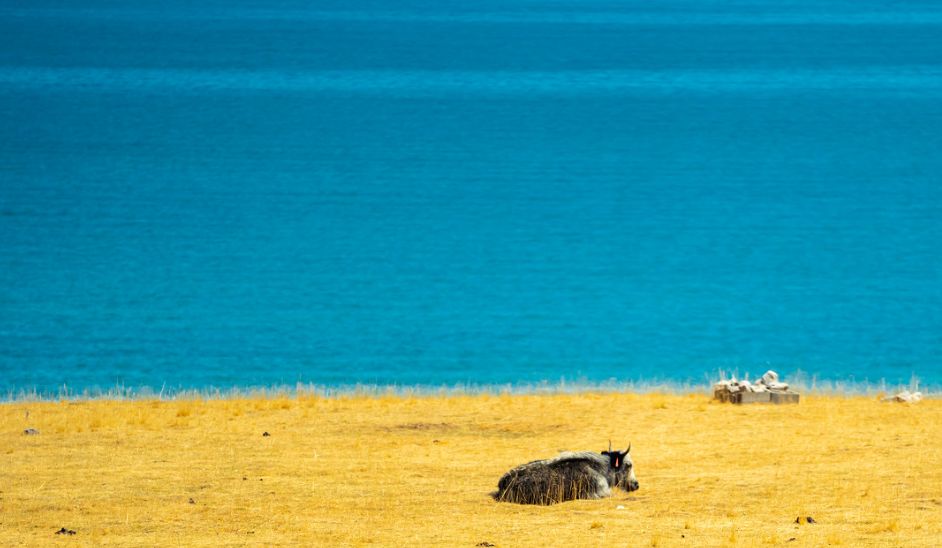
point(397, 470)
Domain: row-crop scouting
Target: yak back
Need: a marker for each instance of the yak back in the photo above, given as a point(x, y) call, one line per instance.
point(568, 476)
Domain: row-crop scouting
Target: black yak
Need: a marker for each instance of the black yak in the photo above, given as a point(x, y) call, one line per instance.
point(568, 476)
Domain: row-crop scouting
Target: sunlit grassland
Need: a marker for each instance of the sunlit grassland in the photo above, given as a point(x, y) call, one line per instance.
point(393, 470)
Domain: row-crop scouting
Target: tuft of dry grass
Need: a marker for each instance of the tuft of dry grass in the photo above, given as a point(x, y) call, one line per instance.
point(401, 469)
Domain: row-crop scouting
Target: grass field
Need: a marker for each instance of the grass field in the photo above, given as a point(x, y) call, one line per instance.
point(419, 470)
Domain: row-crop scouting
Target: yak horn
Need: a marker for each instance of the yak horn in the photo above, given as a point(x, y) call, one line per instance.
point(609, 446)
point(629, 448)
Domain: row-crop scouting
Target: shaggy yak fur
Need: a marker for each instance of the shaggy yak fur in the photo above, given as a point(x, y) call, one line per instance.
point(568, 476)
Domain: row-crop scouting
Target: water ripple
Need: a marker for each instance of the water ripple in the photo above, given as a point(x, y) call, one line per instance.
point(429, 82)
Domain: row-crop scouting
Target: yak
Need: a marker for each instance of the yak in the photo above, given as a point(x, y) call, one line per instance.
point(568, 476)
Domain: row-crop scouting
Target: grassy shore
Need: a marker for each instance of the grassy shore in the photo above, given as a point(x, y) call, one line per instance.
point(418, 470)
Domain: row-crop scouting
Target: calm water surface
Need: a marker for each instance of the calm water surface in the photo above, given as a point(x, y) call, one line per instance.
point(248, 193)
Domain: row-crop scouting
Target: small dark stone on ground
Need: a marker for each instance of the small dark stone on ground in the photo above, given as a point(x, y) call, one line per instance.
point(30, 432)
point(791, 539)
point(810, 519)
point(192, 501)
point(485, 543)
point(65, 531)
point(265, 434)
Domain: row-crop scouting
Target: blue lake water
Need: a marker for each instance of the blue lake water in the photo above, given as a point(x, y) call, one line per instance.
point(240, 193)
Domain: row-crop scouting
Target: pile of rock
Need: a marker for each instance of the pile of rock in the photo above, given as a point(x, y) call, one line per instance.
point(768, 389)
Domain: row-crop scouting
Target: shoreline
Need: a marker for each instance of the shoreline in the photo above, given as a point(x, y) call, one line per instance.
point(802, 385)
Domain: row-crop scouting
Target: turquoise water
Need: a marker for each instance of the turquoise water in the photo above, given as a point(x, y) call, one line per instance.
point(200, 194)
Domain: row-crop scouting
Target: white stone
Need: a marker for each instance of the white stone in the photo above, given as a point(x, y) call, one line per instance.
point(905, 397)
point(769, 377)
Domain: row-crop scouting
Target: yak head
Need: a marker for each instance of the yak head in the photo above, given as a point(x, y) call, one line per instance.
point(621, 466)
